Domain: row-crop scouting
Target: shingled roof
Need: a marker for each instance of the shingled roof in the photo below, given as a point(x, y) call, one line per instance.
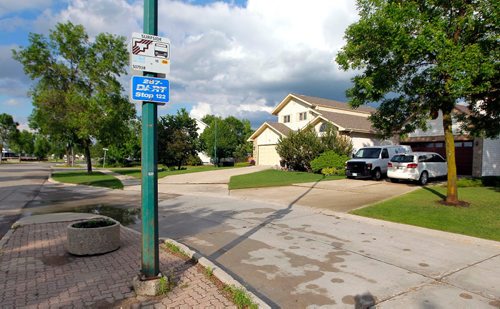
point(333, 104)
point(349, 122)
point(280, 127)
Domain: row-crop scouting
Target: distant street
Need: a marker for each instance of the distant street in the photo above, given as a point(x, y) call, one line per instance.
point(19, 184)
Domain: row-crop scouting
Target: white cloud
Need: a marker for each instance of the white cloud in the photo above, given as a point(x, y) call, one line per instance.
point(231, 60)
point(201, 109)
point(12, 102)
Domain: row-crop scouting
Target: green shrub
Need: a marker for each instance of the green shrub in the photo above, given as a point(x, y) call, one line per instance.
point(332, 171)
point(485, 181)
point(329, 159)
point(491, 181)
point(194, 160)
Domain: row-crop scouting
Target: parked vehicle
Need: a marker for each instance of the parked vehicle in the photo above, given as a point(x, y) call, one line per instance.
point(418, 166)
point(372, 161)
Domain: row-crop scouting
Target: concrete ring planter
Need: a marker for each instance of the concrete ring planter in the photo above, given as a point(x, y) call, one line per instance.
point(93, 236)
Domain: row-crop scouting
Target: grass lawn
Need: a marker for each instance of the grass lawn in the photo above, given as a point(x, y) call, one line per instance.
point(272, 178)
point(136, 171)
point(421, 208)
point(96, 179)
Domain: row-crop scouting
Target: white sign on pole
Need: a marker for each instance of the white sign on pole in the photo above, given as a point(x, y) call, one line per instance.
point(150, 53)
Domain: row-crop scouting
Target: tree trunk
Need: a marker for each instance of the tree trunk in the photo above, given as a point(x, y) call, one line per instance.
point(451, 194)
point(68, 156)
point(87, 157)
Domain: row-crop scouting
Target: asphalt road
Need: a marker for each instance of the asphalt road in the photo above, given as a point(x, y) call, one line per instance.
point(19, 185)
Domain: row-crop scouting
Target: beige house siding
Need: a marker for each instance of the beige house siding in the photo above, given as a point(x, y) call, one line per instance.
point(293, 109)
point(265, 148)
point(267, 155)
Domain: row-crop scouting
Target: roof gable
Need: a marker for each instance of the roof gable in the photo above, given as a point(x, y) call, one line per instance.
point(315, 101)
point(277, 127)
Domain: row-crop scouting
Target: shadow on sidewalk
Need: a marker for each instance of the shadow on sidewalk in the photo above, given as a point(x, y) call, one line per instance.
point(279, 214)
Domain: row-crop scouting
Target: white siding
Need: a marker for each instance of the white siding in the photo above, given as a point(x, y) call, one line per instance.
point(491, 157)
point(293, 109)
point(265, 148)
point(435, 128)
point(360, 140)
point(201, 127)
point(267, 137)
point(267, 155)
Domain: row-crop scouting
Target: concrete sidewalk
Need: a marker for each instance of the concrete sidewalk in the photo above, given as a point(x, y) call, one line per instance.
point(37, 272)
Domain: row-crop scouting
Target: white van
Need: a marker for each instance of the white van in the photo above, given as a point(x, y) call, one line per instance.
point(372, 161)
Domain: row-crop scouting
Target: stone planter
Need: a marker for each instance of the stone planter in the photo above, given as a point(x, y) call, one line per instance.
point(93, 236)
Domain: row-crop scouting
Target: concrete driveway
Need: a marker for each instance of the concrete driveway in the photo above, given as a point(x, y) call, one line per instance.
point(210, 183)
point(336, 195)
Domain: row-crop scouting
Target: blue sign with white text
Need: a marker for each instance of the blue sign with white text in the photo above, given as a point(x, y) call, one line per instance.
point(150, 89)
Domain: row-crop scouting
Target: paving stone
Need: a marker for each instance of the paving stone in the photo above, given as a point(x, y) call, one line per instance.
point(37, 272)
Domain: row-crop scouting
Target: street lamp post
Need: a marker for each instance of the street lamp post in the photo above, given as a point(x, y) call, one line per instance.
point(104, 160)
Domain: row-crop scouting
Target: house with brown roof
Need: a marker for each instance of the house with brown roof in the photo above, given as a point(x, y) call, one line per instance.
point(297, 111)
point(474, 156)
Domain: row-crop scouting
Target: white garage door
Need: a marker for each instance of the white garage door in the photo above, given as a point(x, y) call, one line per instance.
point(268, 155)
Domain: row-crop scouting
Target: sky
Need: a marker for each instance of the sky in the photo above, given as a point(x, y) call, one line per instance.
point(238, 58)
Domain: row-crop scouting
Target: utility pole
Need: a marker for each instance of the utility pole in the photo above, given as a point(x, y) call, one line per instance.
point(215, 145)
point(150, 260)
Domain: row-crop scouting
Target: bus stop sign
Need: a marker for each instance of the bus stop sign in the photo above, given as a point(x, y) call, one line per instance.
point(150, 53)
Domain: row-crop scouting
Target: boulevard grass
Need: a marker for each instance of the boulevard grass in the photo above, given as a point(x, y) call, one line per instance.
point(96, 179)
point(163, 172)
point(422, 208)
point(273, 178)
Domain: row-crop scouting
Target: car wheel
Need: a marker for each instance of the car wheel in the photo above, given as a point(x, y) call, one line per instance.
point(394, 180)
point(377, 174)
point(424, 178)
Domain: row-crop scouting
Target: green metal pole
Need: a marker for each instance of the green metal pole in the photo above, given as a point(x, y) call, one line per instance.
point(150, 260)
point(215, 145)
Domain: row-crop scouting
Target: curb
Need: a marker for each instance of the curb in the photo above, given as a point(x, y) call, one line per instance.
point(6, 237)
point(412, 228)
point(220, 274)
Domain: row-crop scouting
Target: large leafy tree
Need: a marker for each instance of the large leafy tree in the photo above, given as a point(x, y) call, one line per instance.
point(224, 138)
point(8, 131)
point(42, 146)
point(24, 143)
point(299, 148)
point(417, 58)
point(77, 96)
point(177, 138)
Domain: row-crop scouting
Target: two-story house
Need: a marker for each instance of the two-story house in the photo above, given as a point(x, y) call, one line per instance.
point(474, 156)
point(298, 111)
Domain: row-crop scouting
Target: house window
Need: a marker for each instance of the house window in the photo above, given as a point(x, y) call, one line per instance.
point(303, 116)
point(323, 127)
point(286, 118)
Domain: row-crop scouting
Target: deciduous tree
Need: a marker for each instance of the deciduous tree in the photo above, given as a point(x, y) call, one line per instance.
point(8, 131)
point(177, 138)
point(77, 96)
point(416, 58)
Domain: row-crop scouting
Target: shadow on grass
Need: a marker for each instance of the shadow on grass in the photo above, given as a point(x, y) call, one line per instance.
point(439, 194)
point(106, 183)
point(127, 171)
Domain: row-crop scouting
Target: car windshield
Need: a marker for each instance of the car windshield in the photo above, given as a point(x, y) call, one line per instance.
point(402, 159)
point(368, 153)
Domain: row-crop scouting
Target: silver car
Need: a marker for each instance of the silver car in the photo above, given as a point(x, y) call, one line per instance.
point(418, 166)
